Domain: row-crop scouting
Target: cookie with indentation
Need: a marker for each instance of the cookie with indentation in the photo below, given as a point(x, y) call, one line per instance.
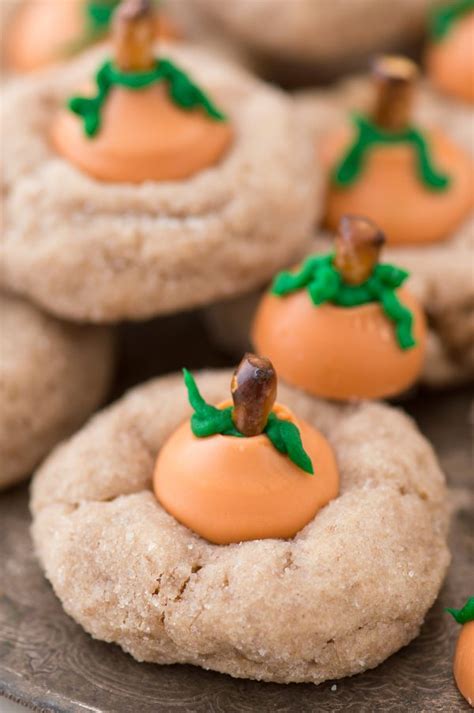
point(338, 598)
point(126, 237)
point(52, 377)
point(440, 273)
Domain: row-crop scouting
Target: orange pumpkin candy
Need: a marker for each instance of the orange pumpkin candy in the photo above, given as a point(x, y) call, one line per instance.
point(144, 137)
point(390, 192)
point(338, 352)
point(389, 189)
point(464, 662)
point(43, 32)
point(450, 62)
point(229, 489)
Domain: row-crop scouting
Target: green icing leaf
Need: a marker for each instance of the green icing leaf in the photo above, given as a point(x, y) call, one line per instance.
point(286, 438)
point(427, 172)
point(369, 136)
point(400, 315)
point(324, 284)
point(445, 17)
point(182, 90)
point(208, 420)
point(390, 275)
point(462, 616)
point(99, 13)
point(286, 282)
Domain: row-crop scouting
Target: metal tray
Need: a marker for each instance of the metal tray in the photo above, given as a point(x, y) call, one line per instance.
point(49, 664)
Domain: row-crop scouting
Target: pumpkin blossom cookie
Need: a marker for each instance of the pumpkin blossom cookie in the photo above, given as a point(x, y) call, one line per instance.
point(240, 472)
point(231, 532)
point(44, 32)
point(463, 667)
point(450, 55)
point(441, 272)
point(441, 282)
point(357, 332)
point(387, 163)
point(52, 377)
point(180, 178)
point(181, 130)
point(382, 173)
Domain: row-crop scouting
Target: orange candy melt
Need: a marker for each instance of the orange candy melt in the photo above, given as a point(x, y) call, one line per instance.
point(391, 194)
point(464, 662)
point(43, 32)
point(229, 489)
point(450, 62)
point(143, 136)
point(338, 352)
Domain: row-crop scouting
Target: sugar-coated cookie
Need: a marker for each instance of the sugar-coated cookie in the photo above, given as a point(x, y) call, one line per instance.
point(52, 376)
point(343, 325)
point(335, 600)
point(410, 174)
point(440, 273)
point(102, 251)
point(326, 35)
point(450, 341)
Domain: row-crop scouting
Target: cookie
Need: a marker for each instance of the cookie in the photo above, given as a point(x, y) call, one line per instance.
point(450, 342)
point(335, 600)
point(384, 157)
point(52, 376)
point(106, 251)
point(293, 38)
point(440, 273)
point(343, 325)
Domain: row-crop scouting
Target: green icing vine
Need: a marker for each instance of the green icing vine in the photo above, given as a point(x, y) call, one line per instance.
point(462, 616)
point(99, 14)
point(324, 284)
point(182, 91)
point(444, 17)
point(208, 420)
point(369, 136)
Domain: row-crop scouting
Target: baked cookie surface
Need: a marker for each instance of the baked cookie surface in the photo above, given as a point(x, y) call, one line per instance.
point(347, 591)
point(100, 252)
point(324, 31)
point(52, 376)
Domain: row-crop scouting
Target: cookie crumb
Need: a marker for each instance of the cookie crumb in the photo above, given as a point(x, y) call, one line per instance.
point(334, 687)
